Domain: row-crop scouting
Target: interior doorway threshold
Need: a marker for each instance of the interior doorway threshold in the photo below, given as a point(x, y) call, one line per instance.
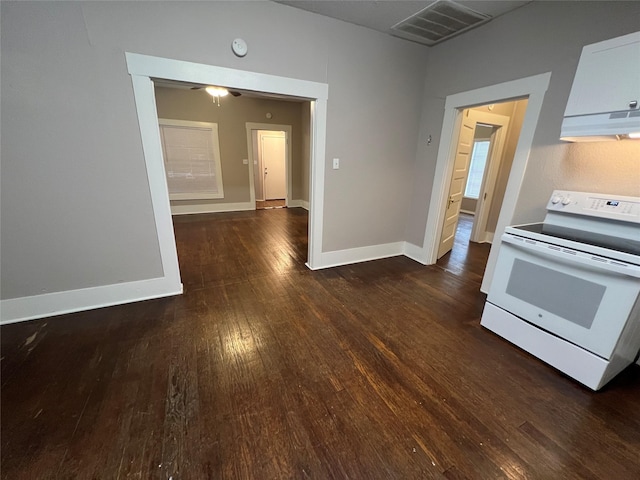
point(267, 204)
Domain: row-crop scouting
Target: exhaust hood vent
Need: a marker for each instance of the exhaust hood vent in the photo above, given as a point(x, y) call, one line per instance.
point(601, 127)
point(604, 100)
point(440, 21)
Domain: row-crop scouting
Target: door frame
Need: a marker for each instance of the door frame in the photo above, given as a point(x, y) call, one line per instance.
point(534, 89)
point(144, 68)
point(287, 129)
point(490, 175)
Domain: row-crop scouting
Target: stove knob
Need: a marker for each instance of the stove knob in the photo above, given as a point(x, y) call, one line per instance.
point(555, 199)
point(566, 201)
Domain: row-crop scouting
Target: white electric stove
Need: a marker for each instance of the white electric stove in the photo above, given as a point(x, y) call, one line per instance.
point(568, 290)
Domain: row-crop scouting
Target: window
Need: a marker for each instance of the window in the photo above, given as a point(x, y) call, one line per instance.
point(476, 169)
point(191, 154)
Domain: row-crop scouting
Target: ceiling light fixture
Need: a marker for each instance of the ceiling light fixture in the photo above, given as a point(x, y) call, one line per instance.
point(216, 93)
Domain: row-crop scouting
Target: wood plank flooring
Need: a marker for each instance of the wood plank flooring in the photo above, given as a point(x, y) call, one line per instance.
point(466, 258)
point(266, 370)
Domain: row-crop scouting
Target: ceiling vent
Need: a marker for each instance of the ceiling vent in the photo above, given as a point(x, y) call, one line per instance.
point(440, 21)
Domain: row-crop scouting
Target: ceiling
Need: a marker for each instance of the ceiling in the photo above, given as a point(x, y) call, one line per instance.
point(381, 15)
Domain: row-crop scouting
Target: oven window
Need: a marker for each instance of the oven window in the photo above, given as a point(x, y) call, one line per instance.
point(566, 296)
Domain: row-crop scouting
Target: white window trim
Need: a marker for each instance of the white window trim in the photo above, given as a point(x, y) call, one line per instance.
point(216, 153)
point(473, 154)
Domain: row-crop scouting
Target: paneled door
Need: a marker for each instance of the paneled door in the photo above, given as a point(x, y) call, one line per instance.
point(458, 182)
point(272, 146)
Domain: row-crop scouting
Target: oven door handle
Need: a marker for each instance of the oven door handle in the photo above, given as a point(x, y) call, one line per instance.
point(572, 257)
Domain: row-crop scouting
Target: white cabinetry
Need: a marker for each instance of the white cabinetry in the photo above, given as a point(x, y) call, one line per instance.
point(607, 78)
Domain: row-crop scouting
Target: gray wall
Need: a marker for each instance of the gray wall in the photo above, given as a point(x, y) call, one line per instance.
point(76, 210)
point(539, 37)
point(231, 117)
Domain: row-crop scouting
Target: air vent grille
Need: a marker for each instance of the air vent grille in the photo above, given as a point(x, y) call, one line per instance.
point(440, 21)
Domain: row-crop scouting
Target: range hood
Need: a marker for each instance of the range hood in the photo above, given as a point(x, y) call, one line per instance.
point(604, 103)
point(601, 127)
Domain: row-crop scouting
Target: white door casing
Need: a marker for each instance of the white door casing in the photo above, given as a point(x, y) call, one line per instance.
point(534, 89)
point(253, 149)
point(143, 68)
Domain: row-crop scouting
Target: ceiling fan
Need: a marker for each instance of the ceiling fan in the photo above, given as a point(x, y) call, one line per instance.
point(217, 91)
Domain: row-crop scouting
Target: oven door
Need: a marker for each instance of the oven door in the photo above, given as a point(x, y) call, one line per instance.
point(584, 299)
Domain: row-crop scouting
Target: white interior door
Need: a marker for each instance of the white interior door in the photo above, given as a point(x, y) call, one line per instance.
point(458, 181)
point(273, 147)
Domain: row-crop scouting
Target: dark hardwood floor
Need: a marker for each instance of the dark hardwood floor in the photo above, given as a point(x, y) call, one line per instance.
point(266, 370)
point(466, 258)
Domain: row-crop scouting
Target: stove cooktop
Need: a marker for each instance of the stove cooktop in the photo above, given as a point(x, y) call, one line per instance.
point(609, 242)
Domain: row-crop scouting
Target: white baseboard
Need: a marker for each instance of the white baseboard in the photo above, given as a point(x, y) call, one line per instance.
point(49, 304)
point(360, 254)
point(490, 236)
point(414, 253)
point(211, 208)
point(299, 203)
point(372, 252)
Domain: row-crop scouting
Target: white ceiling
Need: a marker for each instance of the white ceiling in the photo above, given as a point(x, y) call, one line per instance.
point(381, 15)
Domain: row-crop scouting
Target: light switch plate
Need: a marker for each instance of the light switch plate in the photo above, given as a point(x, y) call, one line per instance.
point(336, 163)
point(245, 161)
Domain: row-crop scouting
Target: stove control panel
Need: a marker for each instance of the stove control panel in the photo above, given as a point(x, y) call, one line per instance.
point(614, 207)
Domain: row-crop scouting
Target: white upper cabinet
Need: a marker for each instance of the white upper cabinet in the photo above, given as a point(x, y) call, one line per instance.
point(607, 78)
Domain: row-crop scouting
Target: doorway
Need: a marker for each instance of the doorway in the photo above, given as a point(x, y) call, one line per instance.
point(269, 147)
point(143, 69)
point(479, 155)
point(533, 88)
point(271, 154)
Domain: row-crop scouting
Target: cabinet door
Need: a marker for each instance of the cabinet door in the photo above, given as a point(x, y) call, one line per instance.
point(607, 78)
